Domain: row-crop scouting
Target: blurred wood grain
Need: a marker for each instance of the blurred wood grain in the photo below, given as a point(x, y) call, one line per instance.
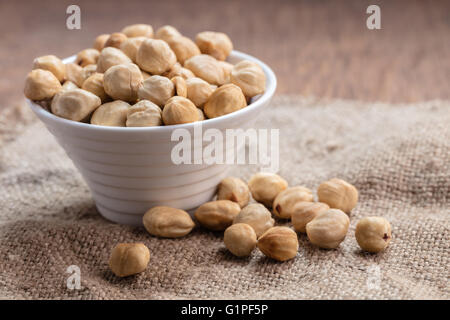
point(319, 48)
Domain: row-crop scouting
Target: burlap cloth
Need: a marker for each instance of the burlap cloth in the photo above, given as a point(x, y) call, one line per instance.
point(398, 156)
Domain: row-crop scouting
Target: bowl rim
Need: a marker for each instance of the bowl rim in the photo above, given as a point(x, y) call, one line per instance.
point(271, 84)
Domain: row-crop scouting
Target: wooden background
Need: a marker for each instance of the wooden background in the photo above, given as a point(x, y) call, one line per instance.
point(319, 48)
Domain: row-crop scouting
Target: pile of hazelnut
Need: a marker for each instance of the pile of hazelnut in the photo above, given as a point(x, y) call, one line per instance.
point(247, 226)
point(135, 78)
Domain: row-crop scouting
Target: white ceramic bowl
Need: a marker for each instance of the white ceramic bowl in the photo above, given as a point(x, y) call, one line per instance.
point(129, 170)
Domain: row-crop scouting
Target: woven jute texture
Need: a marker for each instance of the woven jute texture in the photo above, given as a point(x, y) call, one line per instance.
point(398, 156)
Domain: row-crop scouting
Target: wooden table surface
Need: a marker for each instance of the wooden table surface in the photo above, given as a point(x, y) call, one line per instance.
point(319, 48)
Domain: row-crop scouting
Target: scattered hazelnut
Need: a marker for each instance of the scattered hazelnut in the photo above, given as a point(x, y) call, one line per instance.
point(216, 44)
point(217, 215)
point(338, 194)
point(328, 229)
point(157, 89)
point(168, 222)
point(257, 216)
point(123, 81)
point(265, 186)
point(233, 189)
point(112, 114)
point(179, 110)
point(128, 259)
point(304, 212)
point(225, 99)
point(373, 234)
point(240, 239)
point(41, 84)
point(155, 56)
point(144, 114)
point(74, 104)
point(284, 203)
point(279, 243)
point(53, 64)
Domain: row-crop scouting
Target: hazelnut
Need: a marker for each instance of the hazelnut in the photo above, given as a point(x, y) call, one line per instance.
point(155, 56)
point(227, 69)
point(111, 57)
point(74, 104)
point(115, 40)
point(157, 89)
point(373, 234)
point(69, 85)
point(144, 114)
point(168, 222)
point(145, 75)
point(123, 81)
point(233, 189)
point(279, 243)
point(217, 215)
point(87, 57)
point(166, 33)
point(178, 70)
point(100, 41)
point(265, 186)
point(240, 239)
point(138, 30)
point(112, 114)
point(128, 259)
point(131, 46)
point(207, 68)
point(257, 216)
point(198, 91)
point(75, 74)
point(94, 84)
point(338, 194)
point(53, 64)
point(250, 77)
point(304, 212)
point(180, 86)
point(183, 47)
point(201, 115)
point(284, 203)
point(179, 110)
point(328, 229)
point(225, 99)
point(88, 71)
point(41, 84)
point(216, 44)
